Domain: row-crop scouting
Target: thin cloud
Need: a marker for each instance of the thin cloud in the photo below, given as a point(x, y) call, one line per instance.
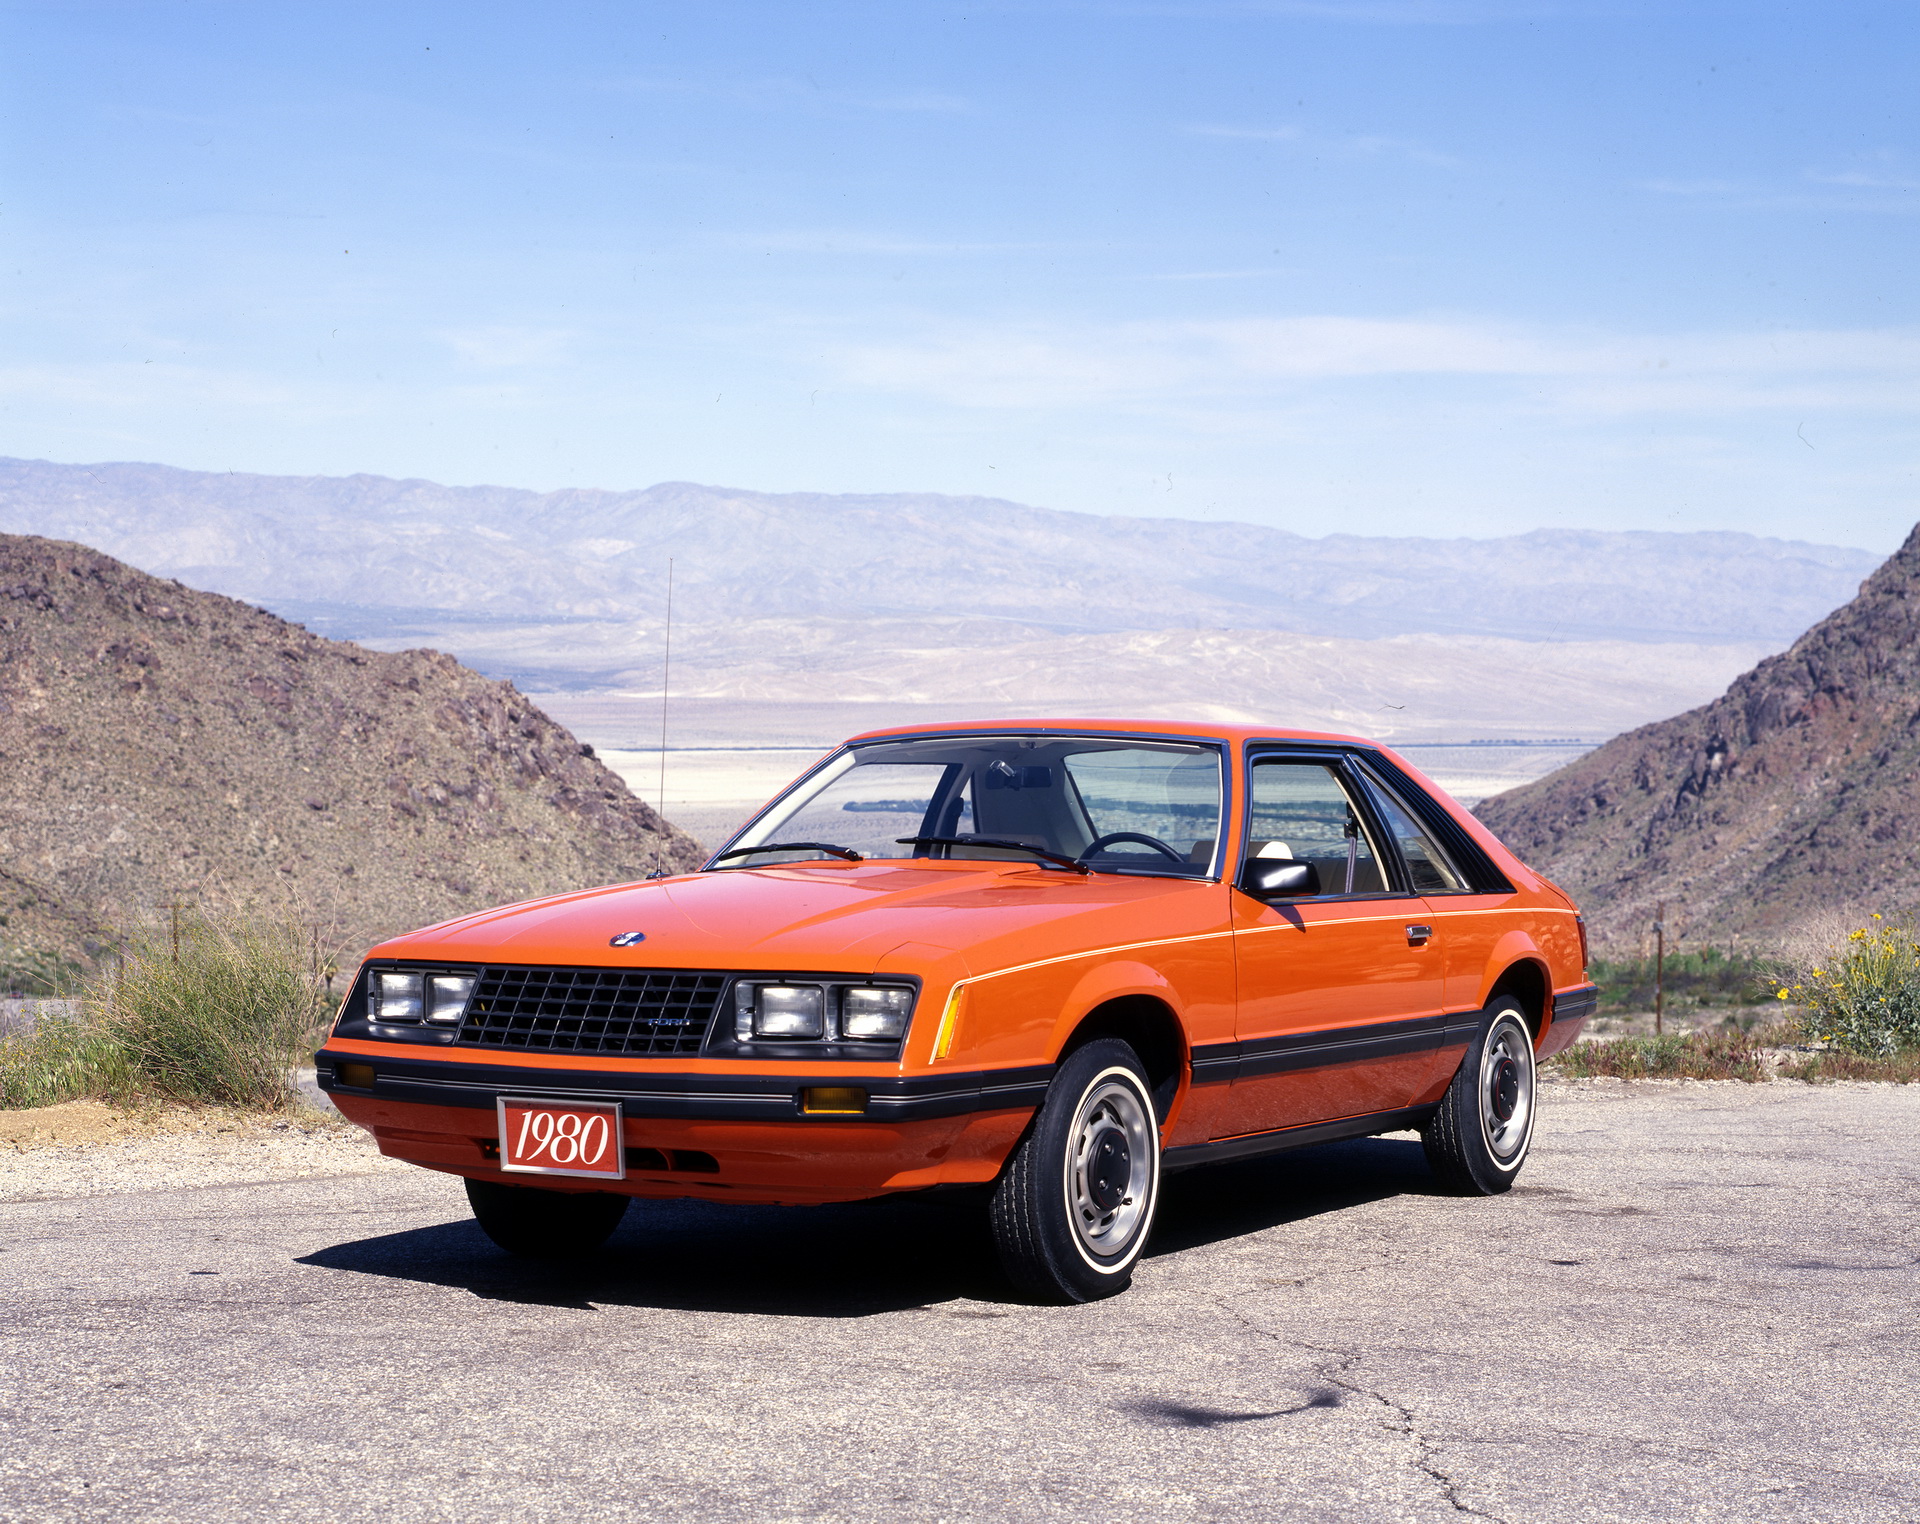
point(1249, 362)
point(1353, 12)
point(1216, 275)
point(850, 241)
point(1882, 187)
point(1324, 146)
point(1255, 134)
point(507, 347)
point(798, 94)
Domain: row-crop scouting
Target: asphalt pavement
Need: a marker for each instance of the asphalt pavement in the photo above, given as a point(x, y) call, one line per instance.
point(1699, 1304)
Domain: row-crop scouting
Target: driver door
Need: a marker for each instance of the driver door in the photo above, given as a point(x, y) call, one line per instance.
point(1340, 990)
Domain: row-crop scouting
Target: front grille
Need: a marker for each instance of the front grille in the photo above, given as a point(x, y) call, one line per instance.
point(591, 1010)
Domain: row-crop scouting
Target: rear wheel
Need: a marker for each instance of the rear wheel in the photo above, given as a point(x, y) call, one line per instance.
point(1074, 1205)
point(542, 1224)
point(1478, 1139)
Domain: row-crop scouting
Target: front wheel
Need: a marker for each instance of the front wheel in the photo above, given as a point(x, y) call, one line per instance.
point(542, 1224)
point(1478, 1139)
point(1073, 1207)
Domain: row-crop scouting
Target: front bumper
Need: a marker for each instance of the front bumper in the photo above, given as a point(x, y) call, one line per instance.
point(700, 1096)
point(731, 1137)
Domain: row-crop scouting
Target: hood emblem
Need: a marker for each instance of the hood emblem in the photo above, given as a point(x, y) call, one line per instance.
point(627, 939)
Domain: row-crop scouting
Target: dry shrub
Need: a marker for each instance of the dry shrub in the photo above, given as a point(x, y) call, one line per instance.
point(213, 1008)
point(1724, 1052)
point(60, 1059)
point(1901, 1068)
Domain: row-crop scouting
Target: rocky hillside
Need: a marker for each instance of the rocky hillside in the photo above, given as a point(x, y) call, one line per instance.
point(1796, 792)
point(162, 744)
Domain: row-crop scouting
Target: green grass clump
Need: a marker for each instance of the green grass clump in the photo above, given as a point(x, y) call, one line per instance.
point(209, 1009)
point(1727, 1051)
point(61, 1060)
point(217, 1013)
point(1861, 992)
point(1693, 981)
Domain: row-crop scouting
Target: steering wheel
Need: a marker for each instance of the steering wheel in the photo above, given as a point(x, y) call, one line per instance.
point(1099, 843)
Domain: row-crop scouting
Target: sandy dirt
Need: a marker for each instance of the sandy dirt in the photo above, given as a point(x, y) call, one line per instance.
point(88, 1148)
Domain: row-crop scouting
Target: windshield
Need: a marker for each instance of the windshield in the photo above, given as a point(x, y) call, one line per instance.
point(1114, 805)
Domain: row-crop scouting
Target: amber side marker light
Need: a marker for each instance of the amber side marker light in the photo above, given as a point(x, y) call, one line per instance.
point(360, 1076)
point(833, 1100)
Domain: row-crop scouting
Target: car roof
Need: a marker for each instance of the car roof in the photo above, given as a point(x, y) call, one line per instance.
point(1155, 729)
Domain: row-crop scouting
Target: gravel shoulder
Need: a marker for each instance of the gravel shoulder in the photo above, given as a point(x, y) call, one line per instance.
point(88, 1148)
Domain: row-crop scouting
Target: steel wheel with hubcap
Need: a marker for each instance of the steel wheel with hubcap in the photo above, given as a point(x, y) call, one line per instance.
point(1478, 1139)
point(1075, 1202)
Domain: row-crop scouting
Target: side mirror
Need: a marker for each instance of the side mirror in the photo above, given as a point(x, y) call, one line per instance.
point(1279, 878)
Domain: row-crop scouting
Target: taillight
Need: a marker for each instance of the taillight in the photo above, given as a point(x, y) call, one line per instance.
point(1581, 922)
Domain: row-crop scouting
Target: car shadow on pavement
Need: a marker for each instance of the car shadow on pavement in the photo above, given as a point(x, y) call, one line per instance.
point(848, 1261)
point(863, 1258)
point(1222, 1201)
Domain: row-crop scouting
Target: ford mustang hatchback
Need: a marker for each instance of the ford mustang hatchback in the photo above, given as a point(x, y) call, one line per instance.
point(1056, 959)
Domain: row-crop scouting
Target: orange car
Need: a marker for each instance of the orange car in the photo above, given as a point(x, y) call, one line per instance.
point(1059, 959)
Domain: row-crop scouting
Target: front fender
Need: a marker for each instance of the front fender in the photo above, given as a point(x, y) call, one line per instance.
point(1111, 981)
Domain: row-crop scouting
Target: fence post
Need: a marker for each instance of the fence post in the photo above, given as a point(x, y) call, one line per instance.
point(1660, 969)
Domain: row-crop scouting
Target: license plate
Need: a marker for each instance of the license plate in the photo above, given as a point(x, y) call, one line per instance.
point(562, 1138)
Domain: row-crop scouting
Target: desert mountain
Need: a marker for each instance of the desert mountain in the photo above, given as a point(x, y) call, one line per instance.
point(1797, 791)
point(352, 554)
point(162, 744)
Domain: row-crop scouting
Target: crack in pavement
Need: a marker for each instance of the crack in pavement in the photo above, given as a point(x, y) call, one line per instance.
point(1335, 1369)
point(1427, 1461)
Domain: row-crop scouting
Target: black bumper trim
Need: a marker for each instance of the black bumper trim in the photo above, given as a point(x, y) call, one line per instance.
point(1258, 1145)
point(1221, 1062)
point(1576, 1004)
point(691, 1097)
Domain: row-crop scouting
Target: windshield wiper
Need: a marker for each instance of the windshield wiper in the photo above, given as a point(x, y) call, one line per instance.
point(991, 841)
point(794, 846)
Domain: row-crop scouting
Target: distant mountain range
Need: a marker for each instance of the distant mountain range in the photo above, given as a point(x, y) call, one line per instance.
point(365, 556)
point(1795, 795)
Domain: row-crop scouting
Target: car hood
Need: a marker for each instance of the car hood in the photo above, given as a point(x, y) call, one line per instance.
point(824, 918)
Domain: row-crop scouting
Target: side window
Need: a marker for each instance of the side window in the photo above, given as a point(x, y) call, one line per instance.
point(1431, 870)
point(1301, 810)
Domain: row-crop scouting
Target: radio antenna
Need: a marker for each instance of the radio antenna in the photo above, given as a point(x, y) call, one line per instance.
point(666, 674)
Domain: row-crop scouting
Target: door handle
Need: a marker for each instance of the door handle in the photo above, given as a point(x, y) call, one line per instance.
point(1418, 936)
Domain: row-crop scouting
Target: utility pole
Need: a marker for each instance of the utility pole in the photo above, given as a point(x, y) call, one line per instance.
point(666, 674)
point(1659, 968)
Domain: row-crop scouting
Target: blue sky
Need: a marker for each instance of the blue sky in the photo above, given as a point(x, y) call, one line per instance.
point(1384, 267)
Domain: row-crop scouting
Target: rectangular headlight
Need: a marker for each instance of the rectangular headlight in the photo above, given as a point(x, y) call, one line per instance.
point(448, 996)
point(874, 1014)
point(789, 1010)
point(396, 997)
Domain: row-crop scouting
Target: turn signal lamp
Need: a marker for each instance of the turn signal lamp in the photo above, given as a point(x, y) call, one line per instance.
point(833, 1100)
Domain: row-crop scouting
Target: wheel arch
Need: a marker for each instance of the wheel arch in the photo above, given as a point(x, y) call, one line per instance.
point(1529, 982)
point(1151, 1028)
